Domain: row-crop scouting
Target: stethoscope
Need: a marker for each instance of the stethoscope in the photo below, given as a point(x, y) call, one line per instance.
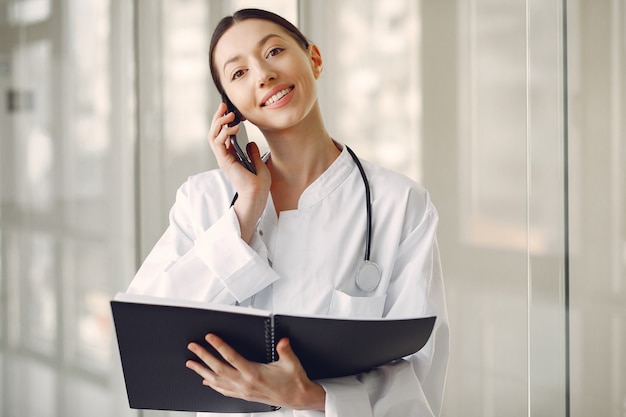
point(369, 273)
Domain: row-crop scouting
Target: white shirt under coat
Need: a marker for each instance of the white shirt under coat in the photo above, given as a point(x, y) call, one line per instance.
point(305, 262)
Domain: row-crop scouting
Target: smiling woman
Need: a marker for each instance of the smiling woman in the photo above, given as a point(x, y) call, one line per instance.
point(228, 22)
point(275, 247)
point(246, 71)
point(98, 128)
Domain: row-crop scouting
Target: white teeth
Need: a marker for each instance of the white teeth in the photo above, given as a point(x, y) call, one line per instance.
point(277, 96)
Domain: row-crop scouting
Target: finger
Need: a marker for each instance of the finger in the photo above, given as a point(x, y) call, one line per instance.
point(216, 121)
point(229, 354)
point(221, 109)
point(209, 378)
point(220, 113)
point(201, 370)
point(220, 131)
point(220, 119)
point(222, 140)
point(221, 146)
point(215, 365)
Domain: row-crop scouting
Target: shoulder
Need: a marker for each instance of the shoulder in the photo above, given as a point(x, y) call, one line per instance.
point(396, 195)
point(386, 183)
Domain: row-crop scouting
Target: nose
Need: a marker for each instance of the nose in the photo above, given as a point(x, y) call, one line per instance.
point(265, 73)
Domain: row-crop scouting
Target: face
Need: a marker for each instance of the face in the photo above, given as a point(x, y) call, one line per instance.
point(267, 75)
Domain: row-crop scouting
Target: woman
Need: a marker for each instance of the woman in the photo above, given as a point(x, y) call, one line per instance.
point(295, 236)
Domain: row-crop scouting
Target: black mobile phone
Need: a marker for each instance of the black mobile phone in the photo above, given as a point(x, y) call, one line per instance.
point(241, 154)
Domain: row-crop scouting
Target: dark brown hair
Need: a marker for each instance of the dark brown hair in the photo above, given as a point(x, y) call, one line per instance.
point(245, 14)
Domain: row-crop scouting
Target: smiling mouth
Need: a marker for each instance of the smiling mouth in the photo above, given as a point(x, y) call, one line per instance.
point(277, 96)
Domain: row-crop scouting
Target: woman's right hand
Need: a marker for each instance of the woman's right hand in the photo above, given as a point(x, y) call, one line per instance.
point(253, 189)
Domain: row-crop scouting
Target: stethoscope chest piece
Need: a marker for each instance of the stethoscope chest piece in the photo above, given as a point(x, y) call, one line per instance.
point(368, 276)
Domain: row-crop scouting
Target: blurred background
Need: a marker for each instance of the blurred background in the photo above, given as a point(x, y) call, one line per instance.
point(512, 113)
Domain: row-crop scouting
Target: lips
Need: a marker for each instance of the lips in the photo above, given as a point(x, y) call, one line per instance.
point(275, 96)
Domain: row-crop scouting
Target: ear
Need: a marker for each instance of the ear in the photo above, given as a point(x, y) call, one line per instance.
point(317, 63)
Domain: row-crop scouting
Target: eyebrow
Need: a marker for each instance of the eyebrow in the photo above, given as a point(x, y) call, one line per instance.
point(259, 43)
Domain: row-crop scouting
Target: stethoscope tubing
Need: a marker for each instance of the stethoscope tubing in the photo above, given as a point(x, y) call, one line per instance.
point(368, 204)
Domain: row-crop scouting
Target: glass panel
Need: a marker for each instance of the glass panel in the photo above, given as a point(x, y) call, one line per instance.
point(493, 130)
point(28, 11)
point(39, 293)
point(87, 311)
point(30, 97)
point(475, 133)
point(174, 91)
point(3, 296)
point(546, 210)
point(597, 204)
point(88, 139)
point(370, 91)
point(24, 375)
point(67, 204)
point(287, 9)
point(91, 398)
point(4, 385)
point(11, 304)
point(35, 374)
point(492, 157)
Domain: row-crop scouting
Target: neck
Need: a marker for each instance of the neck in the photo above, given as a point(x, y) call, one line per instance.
point(299, 155)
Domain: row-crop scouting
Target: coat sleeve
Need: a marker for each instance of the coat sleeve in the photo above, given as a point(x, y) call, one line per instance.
point(413, 386)
point(194, 263)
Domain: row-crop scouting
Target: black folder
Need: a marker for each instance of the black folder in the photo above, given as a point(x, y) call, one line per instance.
point(153, 334)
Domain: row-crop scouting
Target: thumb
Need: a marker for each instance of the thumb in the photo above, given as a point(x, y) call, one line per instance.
point(288, 359)
point(284, 350)
point(252, 149)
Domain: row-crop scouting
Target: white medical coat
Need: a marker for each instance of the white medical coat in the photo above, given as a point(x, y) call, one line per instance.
point(305, 261)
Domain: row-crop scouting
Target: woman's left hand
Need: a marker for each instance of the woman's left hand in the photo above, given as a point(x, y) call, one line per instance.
point(281, 383)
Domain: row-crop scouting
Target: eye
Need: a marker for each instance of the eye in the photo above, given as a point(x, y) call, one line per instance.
point(238, 74)
point(275, 51)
